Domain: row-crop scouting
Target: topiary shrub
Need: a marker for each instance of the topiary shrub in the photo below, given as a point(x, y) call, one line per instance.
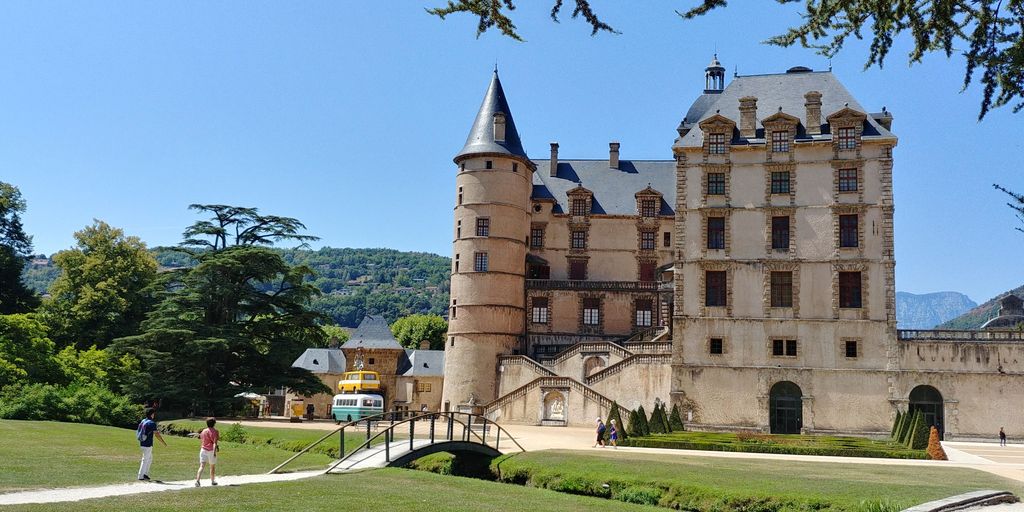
point(904, 434)
point(675, 420)
point(918, 433)
point(935, 451)
point(620, 427)
point(656, 425)
point(645, 427)
point(896, 425)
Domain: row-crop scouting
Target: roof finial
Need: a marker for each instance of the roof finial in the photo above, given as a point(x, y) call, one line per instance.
point(495, 66)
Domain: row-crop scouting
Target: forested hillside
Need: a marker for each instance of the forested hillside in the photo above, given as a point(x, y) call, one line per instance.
point(354, 282)
point(974, 318)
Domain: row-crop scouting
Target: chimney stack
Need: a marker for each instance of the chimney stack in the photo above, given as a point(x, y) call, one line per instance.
point(499, 127)
point(554, 159)
point(748, 117)
point(813, 104)
point(613, 155)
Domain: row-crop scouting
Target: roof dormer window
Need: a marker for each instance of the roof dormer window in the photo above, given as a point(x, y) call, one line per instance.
point(847, 138)
point(716, 143)
point(780, 142)
point(499, 127)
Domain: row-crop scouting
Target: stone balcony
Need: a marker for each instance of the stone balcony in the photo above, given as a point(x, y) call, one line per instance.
point(618, 286)
point(951, 335)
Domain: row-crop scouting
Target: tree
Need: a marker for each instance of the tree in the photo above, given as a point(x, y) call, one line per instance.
point(236, 321)
point(988, 33)
point(643, 426)
point(26, 353)
point(102, 292)
point(1017, 205)
point(614, 414)
point(675, 421)
point(411, 330)
point(335, 335)
point(15, 247)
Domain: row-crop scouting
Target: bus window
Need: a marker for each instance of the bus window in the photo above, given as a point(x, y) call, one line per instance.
point(371, 377)
point(376, 403)
point(368, 402)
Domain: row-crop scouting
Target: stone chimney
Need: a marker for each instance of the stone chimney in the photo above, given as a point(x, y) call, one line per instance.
point(748, 117)
point(812, 101)
point(499, 127)
point(554, 159)
point(613, 155)
point(425, 345)
point(884, 118)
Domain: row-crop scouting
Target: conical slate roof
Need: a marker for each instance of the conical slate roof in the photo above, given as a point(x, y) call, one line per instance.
point(481, 137)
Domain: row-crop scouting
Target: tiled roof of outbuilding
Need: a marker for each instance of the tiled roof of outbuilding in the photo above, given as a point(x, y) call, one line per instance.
point(614, 189)
point(424, 363)
point(321, 360)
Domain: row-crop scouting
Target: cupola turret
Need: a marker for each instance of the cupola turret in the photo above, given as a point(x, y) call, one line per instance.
point(714, 77)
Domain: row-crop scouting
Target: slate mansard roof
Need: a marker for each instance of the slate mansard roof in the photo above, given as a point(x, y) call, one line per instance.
point(614, 189)
point(481, 136)
point(772, 91)
point(321, 360)
point(373, 332)
point(422, 363)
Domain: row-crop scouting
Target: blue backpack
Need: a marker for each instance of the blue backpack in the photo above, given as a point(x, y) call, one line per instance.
point(140, 432)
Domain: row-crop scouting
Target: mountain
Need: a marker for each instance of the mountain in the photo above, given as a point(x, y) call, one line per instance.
point(977, 316)
point(354, 282)
point(927, 310)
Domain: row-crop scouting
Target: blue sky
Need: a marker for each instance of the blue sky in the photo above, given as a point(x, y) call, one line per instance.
point(347, 117)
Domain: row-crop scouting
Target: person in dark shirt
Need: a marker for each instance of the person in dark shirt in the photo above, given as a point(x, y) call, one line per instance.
point(145, 433)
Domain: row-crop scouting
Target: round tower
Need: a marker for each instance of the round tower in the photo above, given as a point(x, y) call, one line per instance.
point(487, 314)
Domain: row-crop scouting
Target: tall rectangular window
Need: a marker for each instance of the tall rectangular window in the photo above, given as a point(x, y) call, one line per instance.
point(716, 232)
point(648, 207)
point(579, 207)
point(577, 270)
point(537, 238)
point(480, 261)
point(579, 239)
point(591, 311)
point(458, 229)
point(716, 143)
point(714, 288)
point(483, 227)
point(644, 313)
point(666, 239)
point(647, 239)
point(780, 232)
point(539, 313)
point(716, 183)
point(780, 142)
point(847, 138)
point(780, 182)
point(647, 271)
point(460, 195)
point(489, 164)
point(851, 348)
point(847, 180)
point(848, 231)
point(849, 290)
point(782, 289)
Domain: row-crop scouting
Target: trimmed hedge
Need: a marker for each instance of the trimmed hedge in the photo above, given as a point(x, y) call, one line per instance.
point(813, 445)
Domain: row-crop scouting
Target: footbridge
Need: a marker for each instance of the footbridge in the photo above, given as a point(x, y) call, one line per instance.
point(395, 439)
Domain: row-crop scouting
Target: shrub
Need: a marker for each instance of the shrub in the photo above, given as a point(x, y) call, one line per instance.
point(761, 443)
point(620, 427)
point(879, 506)
point(645, 428)
point(935, 451)
point(656, 425)
point(236, 433)
point(675, 420)
point(642, 495)
point(903, 435)
point(896, 425)
point(77, 403)
point(918, 436)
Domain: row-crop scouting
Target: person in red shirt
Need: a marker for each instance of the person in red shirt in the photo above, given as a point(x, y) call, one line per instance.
point(208, 451)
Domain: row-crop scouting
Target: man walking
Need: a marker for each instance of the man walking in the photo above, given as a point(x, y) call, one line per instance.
point(144, 433)
point(600, 434)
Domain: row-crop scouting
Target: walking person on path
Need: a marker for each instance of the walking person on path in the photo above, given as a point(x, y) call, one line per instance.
point(614, 435)
point(1002, 437)
point(600, 434)
point(208, 451)
point(144, 433)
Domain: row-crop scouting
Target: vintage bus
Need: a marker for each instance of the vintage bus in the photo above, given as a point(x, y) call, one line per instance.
point(355, 406)
point(359, 381)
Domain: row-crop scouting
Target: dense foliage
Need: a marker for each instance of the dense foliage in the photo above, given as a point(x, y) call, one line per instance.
point(77, 403)
point(26, 353)
point(15, 247)
point(411, 330)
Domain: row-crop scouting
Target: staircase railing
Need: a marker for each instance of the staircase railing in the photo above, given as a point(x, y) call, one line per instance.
point(593, 346)
point(525, 361)
point(569, 382)
point(630, 361)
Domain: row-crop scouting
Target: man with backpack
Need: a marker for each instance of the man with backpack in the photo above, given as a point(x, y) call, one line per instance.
point(144, 433)
point(600, 434)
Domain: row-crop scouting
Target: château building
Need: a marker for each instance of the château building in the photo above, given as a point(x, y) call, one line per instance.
point(749, 279)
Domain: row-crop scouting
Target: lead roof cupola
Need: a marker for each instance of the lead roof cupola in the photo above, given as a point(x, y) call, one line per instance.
point(714, 77)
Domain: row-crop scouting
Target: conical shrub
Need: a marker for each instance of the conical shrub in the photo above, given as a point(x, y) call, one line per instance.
point(656, 425)
point(896, 425)
point(675, 420)
point(635, 429)
point(935, 451)
point(620, 427)
point(645, 428)
point(919, 434)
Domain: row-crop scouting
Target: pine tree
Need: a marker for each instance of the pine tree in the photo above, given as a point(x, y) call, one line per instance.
point(675, 420)
point(620, 427)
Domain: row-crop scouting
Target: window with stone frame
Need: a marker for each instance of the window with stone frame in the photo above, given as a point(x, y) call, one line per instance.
point(644, 313)
point(847, 138)
point(480, 262)
point(666, 239)
point(781, 289)
point(460, 195)
point(648, 207)
point(780, 182)
point(848, 180)
point(647, 271)
point(423, 387)
point(458, 229)
point(848, 232)
point(489, 164)
point(648, 240)
point(716, 347)
point(716, 184)
point(780, 232)
point(483, 226)
point(780, 142)
point(577, 270)
point(716, 143)
point(714, 288)
point(850, 347)
point(716, 232)
point(539, 310)
point(849, 290)
point(591, 311)
point(579, 207)
point(782, 348)
point(578, 239)
point(537, 238)
point(536, 271)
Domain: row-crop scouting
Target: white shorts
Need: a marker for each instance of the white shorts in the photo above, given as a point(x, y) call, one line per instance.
point(207, 456)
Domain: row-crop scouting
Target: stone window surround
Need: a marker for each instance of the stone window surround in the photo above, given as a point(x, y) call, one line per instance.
point(654, 311)
point(542, 226)
point(714, 168)
point(648, 194)
point(838, 165)
point(785, 338)
point(780, 122)
point(707, 345)
point(715, 265)
point(842, 347)
point(586, 328)
point(653, 232)
point(639, 266)
point(849, 209)
point(850, 266)
point(576, 258)
point(776, 211)
point(580, 193)
point(717, 124)
point(584, 239)
point(769, 168)
point(847, 118)
point(715, 212)
point(766, 298)
point(529, 308)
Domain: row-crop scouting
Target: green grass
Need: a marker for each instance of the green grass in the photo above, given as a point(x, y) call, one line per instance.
point(778, 443)
point(42, 454)
point(706, 483)
point(385, 489)
point(291, 439)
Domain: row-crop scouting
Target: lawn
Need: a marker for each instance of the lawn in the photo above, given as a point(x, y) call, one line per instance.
point(778, 443)
point(385, 489)
point(41, 454)
point(702, 482)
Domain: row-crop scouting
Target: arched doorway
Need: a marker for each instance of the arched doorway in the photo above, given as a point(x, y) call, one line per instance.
point(785, 409)
point(928, 400)
point(591, 365)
